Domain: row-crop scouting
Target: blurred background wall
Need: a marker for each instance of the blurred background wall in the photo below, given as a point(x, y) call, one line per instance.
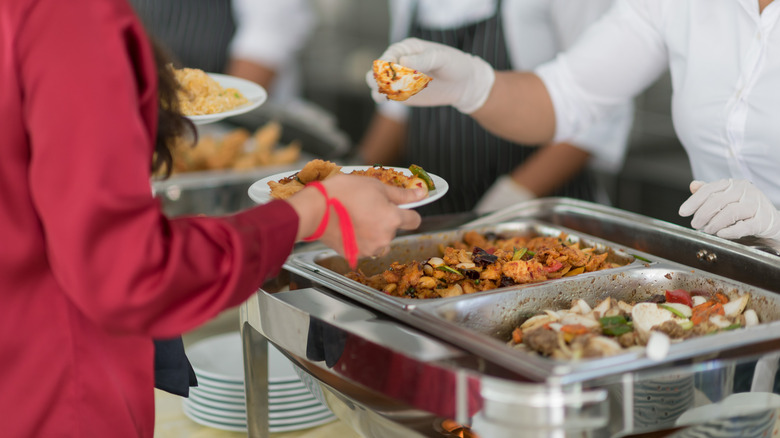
point(351, 33)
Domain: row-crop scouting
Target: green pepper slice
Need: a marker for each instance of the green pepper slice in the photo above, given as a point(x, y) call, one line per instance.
point(673, 310)
point(519, 253)
point(419, 172)
point(615, 325)
point(446, 268)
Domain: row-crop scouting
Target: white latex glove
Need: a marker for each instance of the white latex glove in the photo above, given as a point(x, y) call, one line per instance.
point(503, 193)
point(459, 79)
point(731, 209)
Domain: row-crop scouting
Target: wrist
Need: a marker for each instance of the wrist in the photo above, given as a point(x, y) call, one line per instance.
point(311, 207)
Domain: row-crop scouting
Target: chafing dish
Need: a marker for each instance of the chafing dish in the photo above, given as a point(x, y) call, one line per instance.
point(392, 365)
point(219, 192)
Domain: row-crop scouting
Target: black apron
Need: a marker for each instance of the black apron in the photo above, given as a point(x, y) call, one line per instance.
point(454, 146)
point(196, 34)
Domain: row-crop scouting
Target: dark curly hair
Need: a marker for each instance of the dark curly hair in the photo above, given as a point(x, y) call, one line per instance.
point(171, 124)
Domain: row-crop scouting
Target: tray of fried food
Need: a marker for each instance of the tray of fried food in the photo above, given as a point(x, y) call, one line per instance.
point(469, 262)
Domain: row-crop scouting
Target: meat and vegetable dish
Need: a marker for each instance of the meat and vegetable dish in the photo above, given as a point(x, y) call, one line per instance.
point(613, 326)
point(485, 261)
point(320, 170)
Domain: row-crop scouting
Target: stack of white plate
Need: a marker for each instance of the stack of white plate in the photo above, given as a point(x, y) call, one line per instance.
point(219, 400)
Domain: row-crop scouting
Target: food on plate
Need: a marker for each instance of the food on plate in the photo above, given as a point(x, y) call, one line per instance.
point(319, 170)
point(238, 150)
point(483, 262)
point(613, 325)
point(200, 94)
point(398, 82)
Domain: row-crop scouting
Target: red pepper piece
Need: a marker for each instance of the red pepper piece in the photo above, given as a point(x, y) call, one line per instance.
point(555, 266)
point(681, 296)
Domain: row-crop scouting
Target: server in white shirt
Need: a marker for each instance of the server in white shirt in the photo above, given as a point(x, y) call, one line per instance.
point(485, 172)
point(257, 40)
point(724, 59)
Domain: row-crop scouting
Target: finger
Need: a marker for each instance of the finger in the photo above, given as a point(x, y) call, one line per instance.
point(410, 220)
point(739, 229)
point(399, 196)
point(423, 56)
point(727, 217)
point(696, 185)
point(399, 49)
point(714, 205)
point(383, 251)
point(371, 81)
point(696, 200)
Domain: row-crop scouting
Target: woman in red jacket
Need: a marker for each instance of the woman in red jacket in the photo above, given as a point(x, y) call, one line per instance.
point(90, 268)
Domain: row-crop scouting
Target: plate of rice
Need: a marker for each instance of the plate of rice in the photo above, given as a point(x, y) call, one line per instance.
point(211, 97)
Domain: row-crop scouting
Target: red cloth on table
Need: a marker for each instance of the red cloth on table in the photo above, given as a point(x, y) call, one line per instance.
point(90, 268)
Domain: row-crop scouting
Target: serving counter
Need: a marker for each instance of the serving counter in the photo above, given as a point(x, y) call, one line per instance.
point(430, 368)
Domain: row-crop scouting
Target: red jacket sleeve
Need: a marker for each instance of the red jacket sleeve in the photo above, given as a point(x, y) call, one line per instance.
point(90, 108)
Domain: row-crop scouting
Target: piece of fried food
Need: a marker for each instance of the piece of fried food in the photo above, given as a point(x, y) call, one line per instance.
point(398, 82)
point(266, 139)
point(229, 150)
point(317, 170)
point(314, 170)
point(285, 189)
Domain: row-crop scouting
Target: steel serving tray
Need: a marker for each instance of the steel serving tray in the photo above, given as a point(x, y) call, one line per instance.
point(482, 322)
point(328, 266)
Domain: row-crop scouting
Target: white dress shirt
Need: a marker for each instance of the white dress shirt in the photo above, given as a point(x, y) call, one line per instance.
point(534, 31)
point(272, 33)
point(724, 59)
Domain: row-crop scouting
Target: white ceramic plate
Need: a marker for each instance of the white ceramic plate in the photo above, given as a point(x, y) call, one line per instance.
point(275, 391)
point(226, 414)
point(275, 426)
point(261, 193)
point(232, 393)
point(738, 404)
point(237, 399)
point(216, 404)
point(219, 361)
point(255, 93)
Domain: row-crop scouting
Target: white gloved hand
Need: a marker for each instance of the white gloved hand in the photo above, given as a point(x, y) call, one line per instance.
point(731, 209)
point(459, 79)
point(503, 193)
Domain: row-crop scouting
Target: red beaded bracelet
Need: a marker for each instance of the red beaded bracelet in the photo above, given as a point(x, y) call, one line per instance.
point(345, 224)
point(324, 222)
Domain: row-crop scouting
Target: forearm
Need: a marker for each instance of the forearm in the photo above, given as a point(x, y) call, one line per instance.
point(252, 71)
point(383, 141)
point(550, 168)
point(518, 109)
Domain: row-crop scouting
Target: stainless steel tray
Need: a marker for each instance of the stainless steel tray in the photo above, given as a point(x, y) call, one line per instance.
point(481, 322)
point(327, 265)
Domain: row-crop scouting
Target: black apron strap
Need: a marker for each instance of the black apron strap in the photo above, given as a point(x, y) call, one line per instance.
point(172, 370)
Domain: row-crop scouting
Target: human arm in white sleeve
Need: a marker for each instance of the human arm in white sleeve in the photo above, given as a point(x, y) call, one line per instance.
point(612, 62)
point(269, 35)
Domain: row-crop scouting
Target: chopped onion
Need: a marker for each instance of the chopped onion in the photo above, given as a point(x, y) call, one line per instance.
point(751, 318)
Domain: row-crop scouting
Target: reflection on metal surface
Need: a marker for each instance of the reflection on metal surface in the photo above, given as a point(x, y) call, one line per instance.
point(386, 377)
point(451, 429)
